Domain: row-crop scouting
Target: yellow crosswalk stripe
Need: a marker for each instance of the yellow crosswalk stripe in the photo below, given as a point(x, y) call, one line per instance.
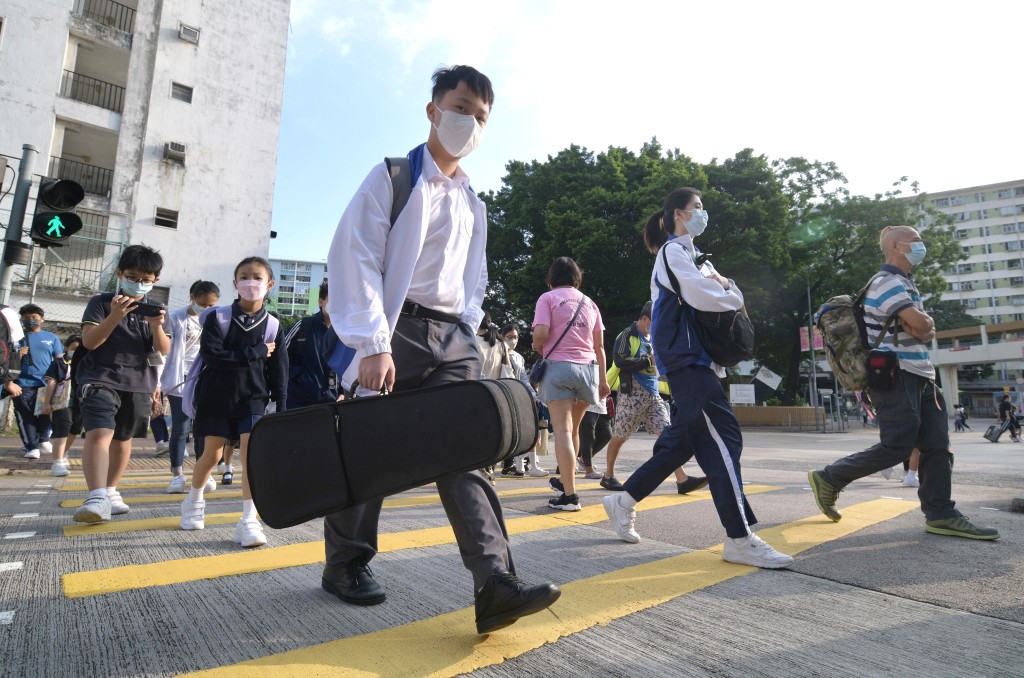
point(447, 645)
point(163, 573)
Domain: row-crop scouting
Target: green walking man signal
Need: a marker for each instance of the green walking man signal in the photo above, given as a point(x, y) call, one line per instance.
point(55, 221)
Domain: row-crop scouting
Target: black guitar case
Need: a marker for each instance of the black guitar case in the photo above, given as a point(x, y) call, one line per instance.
point(307, 463)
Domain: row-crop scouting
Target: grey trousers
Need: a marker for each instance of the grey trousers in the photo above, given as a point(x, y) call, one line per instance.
point(430, 353)
point(912, 414)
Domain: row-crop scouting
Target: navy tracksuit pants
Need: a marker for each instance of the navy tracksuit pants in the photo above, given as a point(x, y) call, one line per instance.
point(703, 426)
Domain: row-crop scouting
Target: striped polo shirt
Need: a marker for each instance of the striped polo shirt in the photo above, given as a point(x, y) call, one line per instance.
point(887, 296)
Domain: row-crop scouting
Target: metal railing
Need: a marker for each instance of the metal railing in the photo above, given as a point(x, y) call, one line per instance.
point(108, 13)
point(92, 91)
point(94, 179)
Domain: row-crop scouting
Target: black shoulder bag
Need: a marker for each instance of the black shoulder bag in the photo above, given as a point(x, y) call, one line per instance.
point(727, 336)
point(539, 367)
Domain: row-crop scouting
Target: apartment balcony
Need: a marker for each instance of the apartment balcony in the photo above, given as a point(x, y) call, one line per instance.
point(95, 180)
point(92, 91)
point(107, 13)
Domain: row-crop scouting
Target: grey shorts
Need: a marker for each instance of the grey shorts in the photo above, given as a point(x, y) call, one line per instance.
point(125, 412)
point(564, 380)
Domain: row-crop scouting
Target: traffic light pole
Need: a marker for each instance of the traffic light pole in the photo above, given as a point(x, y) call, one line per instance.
point(17, 222)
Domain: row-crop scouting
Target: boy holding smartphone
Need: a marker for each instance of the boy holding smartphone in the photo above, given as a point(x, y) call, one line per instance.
point(117, 378)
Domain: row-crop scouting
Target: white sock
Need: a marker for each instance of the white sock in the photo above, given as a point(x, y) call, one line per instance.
point(195, 494)
point(111, 491)
point(911, 474)
point(102, 492)
point(532, 456)
point(248, 510)
point(626, 500)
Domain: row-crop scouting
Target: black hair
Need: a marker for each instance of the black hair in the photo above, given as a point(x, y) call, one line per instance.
point(491, 335)
point(662, 223)
point(448, 78)
point(74, 338)
point(260, 261)
point(1006, 397)
point(508, 328)
point(323, 290)
point(141, 258)
point(201, 287)
point(31, 308)
point(645, 312)
point(564, 271)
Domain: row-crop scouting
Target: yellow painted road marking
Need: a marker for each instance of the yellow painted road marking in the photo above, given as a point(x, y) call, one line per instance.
point(447, 644)
point(161, 498)
point(79, 529)
point(163, 573)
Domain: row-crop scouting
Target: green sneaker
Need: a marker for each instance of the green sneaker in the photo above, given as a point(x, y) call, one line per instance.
point(960, 526)
point(825, 494)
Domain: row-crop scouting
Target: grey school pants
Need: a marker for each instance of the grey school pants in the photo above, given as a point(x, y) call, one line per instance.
point(430, 353)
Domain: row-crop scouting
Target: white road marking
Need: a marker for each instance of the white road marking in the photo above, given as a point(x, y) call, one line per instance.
point(19, 535)
point(6, 617)
point(30, 503)
point(36, 492)
point(10, 567)
point(986, 508)
point(25, 515)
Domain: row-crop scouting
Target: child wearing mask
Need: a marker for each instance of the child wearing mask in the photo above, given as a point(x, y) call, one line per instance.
point(242, 373)
point(38, 350)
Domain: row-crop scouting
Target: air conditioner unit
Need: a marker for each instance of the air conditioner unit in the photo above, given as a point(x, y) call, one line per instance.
point(188, 33)
point(174, 151)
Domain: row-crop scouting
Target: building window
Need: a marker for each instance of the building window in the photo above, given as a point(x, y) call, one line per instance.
point(961, 234)
point(188, 33)
point(1017, 282)
point(1012, 246)
point(941, 202)
point(965, 268)
point(166, 218)
point(1007, 211)
point(1013, 263)
point(969, 303)
point(1019, 191)
point(979, 197)
point(1003, 194)
point(987, 265)
point(181, 92)
point(967, 249)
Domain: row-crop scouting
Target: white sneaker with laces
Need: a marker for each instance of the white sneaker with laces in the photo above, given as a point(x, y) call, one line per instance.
point(59, 468)
point(752, 550)
point(249, 533)
point(94, 510)
point(911, 481)
point(46, 447)
point(177, 485)
point(32, 454)
point(211, 485)
point(623, 519)
point(162, 448)
point(537, 472)
point(117, 505)
point(193, 514)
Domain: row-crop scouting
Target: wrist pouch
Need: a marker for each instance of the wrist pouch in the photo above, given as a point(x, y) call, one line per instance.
point(882, 368)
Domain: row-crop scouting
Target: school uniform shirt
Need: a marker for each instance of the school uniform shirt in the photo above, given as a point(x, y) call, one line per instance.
point(43, 348)
point(238, 378)
point(434, 255)
point(121, 362)
point(886, 297)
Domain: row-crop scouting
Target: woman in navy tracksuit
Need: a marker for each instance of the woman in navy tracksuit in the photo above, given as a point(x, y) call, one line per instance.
point(703, 424)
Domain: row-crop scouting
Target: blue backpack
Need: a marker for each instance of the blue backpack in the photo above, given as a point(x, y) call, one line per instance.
point(223, 313)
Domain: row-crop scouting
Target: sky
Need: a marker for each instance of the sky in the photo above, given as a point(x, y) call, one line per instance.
point(927, 90)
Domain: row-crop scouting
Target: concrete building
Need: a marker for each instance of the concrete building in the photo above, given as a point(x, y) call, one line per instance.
point(167, 112)
point(297, 289)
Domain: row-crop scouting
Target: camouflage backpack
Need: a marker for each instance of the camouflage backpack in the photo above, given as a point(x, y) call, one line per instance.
point(844, 334)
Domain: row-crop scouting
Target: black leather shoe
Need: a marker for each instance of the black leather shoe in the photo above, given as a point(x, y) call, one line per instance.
point(353, 583)
point(691, 484)
point(505, 598)
point(612, 484)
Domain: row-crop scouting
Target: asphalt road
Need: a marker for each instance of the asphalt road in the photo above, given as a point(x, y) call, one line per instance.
point(872, 595)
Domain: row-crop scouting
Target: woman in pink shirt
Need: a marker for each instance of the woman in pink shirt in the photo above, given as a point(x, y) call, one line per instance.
point(575, 375)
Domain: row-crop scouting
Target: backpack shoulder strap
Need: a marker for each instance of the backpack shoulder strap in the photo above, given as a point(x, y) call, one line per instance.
point(270, 331)
point(400, 171)
point(671, 276)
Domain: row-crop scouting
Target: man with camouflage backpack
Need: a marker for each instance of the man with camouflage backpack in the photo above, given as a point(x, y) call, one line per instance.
point(911, 411)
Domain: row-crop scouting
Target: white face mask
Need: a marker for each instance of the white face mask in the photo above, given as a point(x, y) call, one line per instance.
point(459, 134)
point(511, 343)
point(197, 309)
point(697, 223)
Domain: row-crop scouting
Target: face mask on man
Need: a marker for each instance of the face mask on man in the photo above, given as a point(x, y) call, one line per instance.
point(134, 288)
point(251, 290)
point(197, 309)
point(459, 134)
point(916, 254)
point(31, 324)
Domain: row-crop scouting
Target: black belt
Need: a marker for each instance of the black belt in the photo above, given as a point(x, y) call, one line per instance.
point(417, 311)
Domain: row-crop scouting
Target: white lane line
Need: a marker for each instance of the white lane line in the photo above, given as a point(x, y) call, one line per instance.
point(6, 617)
point(25, 515)
point(37, 492)
point(42, 486)
point(30, 503)
point(897, 498)
point(987, 508)
point(19, 535)
point(10, 567)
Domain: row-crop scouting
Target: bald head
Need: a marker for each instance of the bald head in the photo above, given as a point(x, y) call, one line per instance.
point(894, 234)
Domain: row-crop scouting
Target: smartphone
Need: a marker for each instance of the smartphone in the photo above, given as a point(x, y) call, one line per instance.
point(147, 310)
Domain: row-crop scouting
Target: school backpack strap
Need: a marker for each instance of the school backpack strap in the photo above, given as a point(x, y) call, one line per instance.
point(403, 172)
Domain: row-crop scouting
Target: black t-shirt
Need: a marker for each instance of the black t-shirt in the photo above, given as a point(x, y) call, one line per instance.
point(1005, 408)
point(58, 371)
point(120, 362)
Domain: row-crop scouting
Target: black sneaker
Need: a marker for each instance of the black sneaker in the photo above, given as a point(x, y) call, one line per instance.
point(353, 583)
point(612, 484)
point(505, 598)
point(691, 484)
point(556, 485)
point(512, 471)
point(566, 502)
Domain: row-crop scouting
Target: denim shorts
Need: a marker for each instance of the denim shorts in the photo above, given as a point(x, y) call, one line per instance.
point(125, 412)
point(564, 380)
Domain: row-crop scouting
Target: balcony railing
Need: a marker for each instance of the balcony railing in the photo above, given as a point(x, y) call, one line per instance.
point(95, 180)
point(108, 13)
point(92, 91)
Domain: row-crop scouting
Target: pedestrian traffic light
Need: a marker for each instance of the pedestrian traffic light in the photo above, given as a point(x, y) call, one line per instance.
point(55, 221)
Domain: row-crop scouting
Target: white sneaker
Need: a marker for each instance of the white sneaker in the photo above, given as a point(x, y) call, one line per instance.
point(623, 519)
point(32, 454)
point(162, 448)
point(117, 505)
point(211, 485)
point(59, 468)
point(177, 485)
point(189, 452)
point(222, 468)
point(752, 550)
point(94, 510)
point(46, 447)
point(193, 514)
point(888, 473)
point(249, 533)
point(537, 472)
point(911, 481)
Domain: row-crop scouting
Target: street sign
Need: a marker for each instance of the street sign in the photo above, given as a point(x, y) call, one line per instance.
point(742, 394)
point(769, 378)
